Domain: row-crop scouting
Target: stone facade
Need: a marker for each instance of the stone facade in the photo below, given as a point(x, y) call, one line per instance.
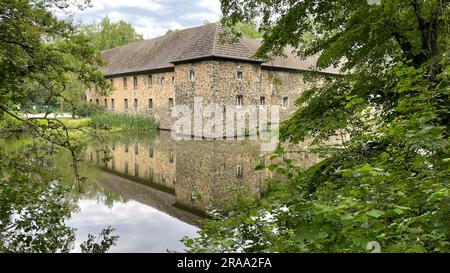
point(216, 81)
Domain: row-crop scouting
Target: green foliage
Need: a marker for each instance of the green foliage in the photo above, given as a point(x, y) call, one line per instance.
point(88, 109)
point(387, 179)
point(102, 244)
point(32, 207)
point(43, 60)
point(107, 34)
point(246, 29)
point(108, 120)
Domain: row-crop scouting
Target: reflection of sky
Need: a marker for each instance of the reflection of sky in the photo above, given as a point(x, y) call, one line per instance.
point(141, 228)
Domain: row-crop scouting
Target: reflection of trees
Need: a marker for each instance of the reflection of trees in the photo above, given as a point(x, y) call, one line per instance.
point(32, 207)
point(91, 189)
point(38, 193)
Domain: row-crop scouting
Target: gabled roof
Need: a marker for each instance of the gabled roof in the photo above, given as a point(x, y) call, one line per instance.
point(193, 44)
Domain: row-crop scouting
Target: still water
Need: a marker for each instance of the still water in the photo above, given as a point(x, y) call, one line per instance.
point(155, 190)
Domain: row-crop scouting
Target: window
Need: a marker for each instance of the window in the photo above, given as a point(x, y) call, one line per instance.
point(262, 101)
point(285, 102)
point(90, 100)
point(136, 149)
point(239, 100)
point(126, 167)
point(163, 178)
point(150, 79)
point(106, 103)
point(125, 83)
point(97, 102)
point(239, 173)
point(239, 75)
point(135, 82)
point(173, 80)
point(171, 157)
point(258, 79)
point(150, 104)
point(136, 169)
point(191, 75)
point(112, 82)
point(136, 105)
point(150, 152)
point(170, 103)
point(126, 103)
point(112, 104)
point(162, 80)
point(126, 148)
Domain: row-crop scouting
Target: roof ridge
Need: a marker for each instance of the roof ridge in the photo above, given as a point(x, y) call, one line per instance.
point(245, 46)
point(215, 40)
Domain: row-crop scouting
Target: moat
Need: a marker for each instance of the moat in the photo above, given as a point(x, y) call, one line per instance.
point(155, 190)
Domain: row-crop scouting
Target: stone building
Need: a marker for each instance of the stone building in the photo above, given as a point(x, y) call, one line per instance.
point(151, 76)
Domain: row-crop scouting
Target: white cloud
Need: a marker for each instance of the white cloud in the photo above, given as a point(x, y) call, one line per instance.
point(141, 228)
point(152, 17)
point(213, 6)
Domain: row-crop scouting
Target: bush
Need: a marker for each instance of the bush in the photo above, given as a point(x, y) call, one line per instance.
point(88, 109)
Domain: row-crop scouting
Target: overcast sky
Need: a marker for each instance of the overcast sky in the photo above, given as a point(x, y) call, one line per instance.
point(153, 17)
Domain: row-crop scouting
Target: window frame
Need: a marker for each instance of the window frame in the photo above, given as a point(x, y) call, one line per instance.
point(135, 82)
point(125, 83)
point(239, 100)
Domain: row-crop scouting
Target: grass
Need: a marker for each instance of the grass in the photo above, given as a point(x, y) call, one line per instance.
point(124, 122)
point(81, 122)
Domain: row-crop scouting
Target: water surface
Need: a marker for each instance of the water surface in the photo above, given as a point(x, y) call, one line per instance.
point(155, 190)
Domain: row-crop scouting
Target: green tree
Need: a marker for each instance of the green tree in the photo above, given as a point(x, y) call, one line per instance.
point(388, 179)
point(246, 29)
point(39, 53)
point(107, 34)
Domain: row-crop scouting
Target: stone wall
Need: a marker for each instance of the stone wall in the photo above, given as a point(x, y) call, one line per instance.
point(216, 81)
point(157, 90)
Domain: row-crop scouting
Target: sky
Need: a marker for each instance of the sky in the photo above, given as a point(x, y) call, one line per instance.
point(152, 18)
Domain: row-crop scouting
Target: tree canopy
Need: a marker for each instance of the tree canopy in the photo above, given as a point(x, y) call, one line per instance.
point(107, 34)
point(388, 179)
point(39, 52)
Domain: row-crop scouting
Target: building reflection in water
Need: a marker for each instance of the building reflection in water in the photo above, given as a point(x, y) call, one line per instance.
point(186, 177)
